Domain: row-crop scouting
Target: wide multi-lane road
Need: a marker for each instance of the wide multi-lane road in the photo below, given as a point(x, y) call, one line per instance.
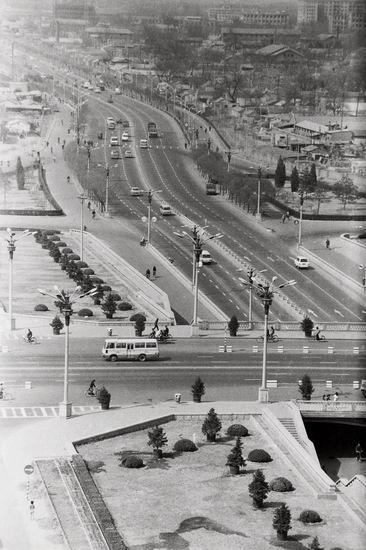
point(226, 375)
point(167, 169)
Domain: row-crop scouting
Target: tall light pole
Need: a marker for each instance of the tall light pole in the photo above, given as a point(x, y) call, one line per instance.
point(149, 195)
point(258, 214)
point(82, 198)
point(251, 274)
point(363, 267)
point(301, 194)
point(106, 211)
point(11, 240)
point(265, 293)
point(198, 241)
point(65, 300)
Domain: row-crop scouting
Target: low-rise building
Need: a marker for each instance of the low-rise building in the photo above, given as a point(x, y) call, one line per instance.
point(280, 53)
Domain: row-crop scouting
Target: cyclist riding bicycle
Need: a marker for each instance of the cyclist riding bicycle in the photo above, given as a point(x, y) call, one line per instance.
point(317, 334)
point(92, 386)
point(29, 335)
point(271, 332)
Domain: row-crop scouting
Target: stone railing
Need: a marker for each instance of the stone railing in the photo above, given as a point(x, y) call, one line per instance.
point(331, 406)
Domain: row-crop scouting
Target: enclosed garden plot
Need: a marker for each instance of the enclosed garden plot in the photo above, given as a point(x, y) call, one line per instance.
point(190, 499)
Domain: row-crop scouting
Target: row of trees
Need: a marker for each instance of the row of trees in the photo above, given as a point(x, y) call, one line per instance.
point(308, 183)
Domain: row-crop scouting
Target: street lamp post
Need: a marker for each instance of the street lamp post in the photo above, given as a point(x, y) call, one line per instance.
point(258, 214)
point(82, 198)
point(106, 211)
point(11, 240)
point(149, 195)
point(65, 301)
point(251, 274)
point(301, 194)
point(363, 267)
point(265, 293)
point(198, 242)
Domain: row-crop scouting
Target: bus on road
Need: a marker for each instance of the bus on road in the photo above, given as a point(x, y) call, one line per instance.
point(139, 349)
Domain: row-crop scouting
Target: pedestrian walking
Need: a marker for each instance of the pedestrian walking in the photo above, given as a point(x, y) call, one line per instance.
point(47, 144)
point(283, 218)
point(336, 396)
point(185, 145)
point(64, 142)
point(154, 271)
point(32, 509)
point(328, 397)
point(63, 146)
point(93, 214)
point(156, 324)
point(358, 451)
point(147, 273)
point(327, 243)
point(51, 149)
point(89, 205)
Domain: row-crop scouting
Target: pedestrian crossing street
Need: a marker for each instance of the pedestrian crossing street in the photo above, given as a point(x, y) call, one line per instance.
point(43, 412)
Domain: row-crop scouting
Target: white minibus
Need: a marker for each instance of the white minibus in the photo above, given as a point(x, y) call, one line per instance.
point(140, 349)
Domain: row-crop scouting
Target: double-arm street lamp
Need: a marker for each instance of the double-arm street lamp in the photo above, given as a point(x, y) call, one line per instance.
point(251, 274)
point(265, 292)
point(301, 195)
point(64, 300)
point(11, 239)
point(149, 195)
point(198, 240)
point(82, 198)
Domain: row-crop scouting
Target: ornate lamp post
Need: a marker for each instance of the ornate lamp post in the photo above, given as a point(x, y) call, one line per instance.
point(82, 198)
point(251, 274)
point(11, 240)
point(65, 300)
point(198, 242)
point(265, 293)
point(301, 195)
point(258, 214)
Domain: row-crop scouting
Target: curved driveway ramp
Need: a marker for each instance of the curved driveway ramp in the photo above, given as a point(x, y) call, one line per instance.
point(84, 519)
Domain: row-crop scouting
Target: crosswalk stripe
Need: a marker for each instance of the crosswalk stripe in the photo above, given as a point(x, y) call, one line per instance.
point(43, 412)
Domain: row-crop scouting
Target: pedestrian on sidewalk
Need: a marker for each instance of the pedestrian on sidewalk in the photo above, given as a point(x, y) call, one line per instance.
point(327, 243)
point(358, 451)
point(47, 144)
point(156, 324)
point(147, 273)
point(32, 509)
point(89, 205)
point(93, 214)
point(336, 396)
point(154, 272)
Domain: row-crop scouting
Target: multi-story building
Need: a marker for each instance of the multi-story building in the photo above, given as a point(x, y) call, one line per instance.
point(229, 14)
point(307, 11)
point(341, 15)
point(345, 14)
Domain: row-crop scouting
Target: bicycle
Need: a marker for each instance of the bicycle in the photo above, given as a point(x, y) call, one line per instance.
point(321, 338)
point(270, 339)
point(32, 340)
point(89, 393)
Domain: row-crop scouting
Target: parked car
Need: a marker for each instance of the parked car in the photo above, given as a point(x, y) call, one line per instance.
point(301, 262)
point(97, 90)
point(114, 141)
point(128, 154)
point(363, 387)
point(125, 123)
point(115, 154)
point(125, 136)
point(144, 144)
point(136, 192)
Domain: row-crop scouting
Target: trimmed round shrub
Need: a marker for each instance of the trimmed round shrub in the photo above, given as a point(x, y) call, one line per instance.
point(73, 256)
point(133, 462)
point(310, 516)
point(137, 316)
point(259, 455)
point(88, 271)
point(96, 280)
point(85, 312)
point(67, 250)
point(60, 244)
point(81, 264)
point(237, 430)
point(55, 238)
point(106, 288)
point(281, 485)
point(124, 306)
point(114, 295)
point(185, 446)
point(41, 307)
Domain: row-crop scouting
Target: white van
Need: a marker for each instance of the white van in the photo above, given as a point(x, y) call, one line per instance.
point(165, 210)
point(301, 262)
point(205, 257)
point(139, 349)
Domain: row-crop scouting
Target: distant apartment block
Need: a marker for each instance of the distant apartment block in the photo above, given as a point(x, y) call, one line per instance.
point(341, 15)
point(307, 11)
point(228, 14)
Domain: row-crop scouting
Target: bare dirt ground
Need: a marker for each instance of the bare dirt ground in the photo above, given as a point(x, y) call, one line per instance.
point(191, 501)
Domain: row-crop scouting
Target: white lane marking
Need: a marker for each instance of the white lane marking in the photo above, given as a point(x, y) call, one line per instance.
point(338, 312)
point(312, 312)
